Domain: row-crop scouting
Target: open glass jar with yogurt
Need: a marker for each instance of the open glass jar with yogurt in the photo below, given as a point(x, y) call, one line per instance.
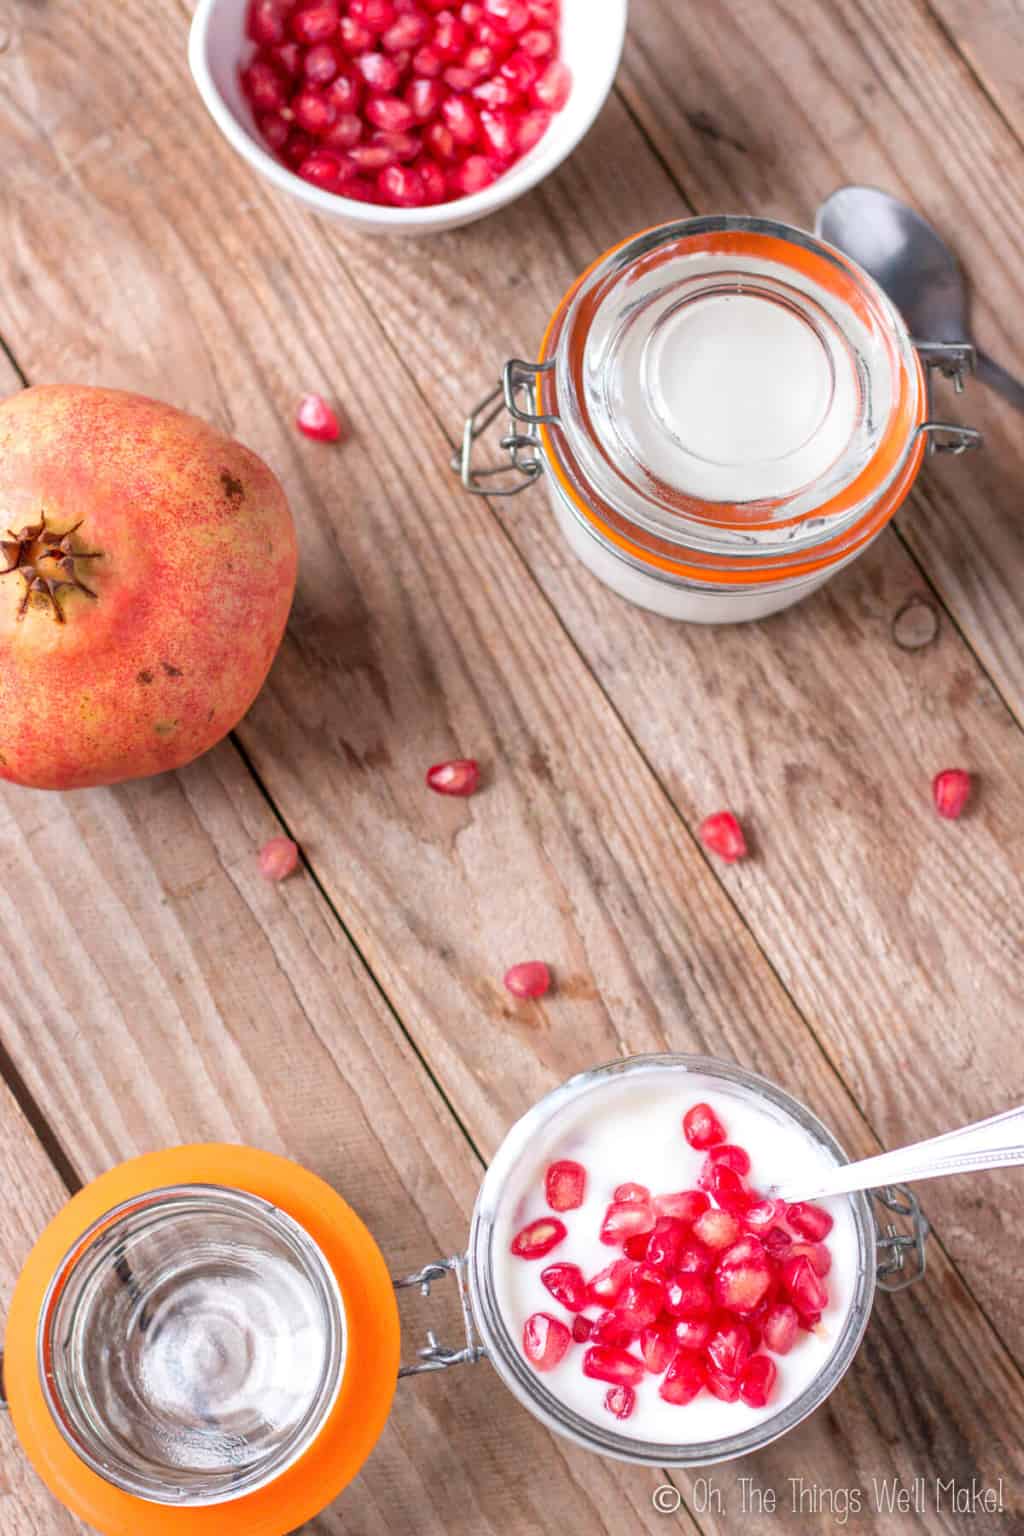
point(726, 411)
point(207, 1339)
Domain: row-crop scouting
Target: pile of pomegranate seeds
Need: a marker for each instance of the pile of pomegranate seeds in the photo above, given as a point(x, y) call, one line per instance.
point(710, 1282)
point(951, 790)
point(404, 102)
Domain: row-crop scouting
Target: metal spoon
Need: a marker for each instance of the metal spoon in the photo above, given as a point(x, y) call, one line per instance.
point(911, 261)
point(994, 1143)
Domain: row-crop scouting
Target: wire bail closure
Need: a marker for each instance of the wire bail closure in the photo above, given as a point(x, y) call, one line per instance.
point(523, 448)
point(435, 1356)
point(901, 1255)
point(954, 360)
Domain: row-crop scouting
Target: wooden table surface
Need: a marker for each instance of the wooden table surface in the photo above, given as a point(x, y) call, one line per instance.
point(155, 990)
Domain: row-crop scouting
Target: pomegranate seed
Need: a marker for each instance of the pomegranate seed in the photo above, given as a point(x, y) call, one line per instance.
point(565, 1185)
point(605, 1286)
point(407, 32)
point(461, 119)
point(345, 133)
point(264, 87)
point(355, 37)
point(500, 43)
point(665, 1243)
point(757, 1380)
point(499, 135)
point(729, 1348)
point(511, 15)
point(717, 1229)
point(471, 12)
point(313, 110)
point(727, 1388)
point(723, 835)
point(626, 1219)
point(764, 1214)
point(641, 1299)
point(605, 1362)
point(459, 78)
point(620, 1401)
point(288, 58)
point(315, 24)
point(806, 1289)
point(636, 1247)
point(520, 71)
point(361, 190)
point(378, 15)
point(779, 1328)
point(732, 1157)
point(742, 1287)
point(496, 93)
point(727, 1188)
point(379, 72)
point(401, 185)
point(316, 419)
point(816, 1254)
point(695, 1259)
point(474, 175)
point(278, 859)
point(776, 1241)
point(428, 62)
point(374, 157)
point(687, 1296)
point(321, 64)
point(657, 1345)
point(531, 978)
point(632, 1194)
point(459, 777)
point(685, 1206)
point(298, 147)
point(702, 1127)
point(582, 1328)
point(552, 89)
point(323, 170)
point(440, 141)
point(389, 113)
point(567, 1284)
point(451, 36)
point(424, 99)
point(344, 93)
point(274, 129)
point(545, 13)
point(686, 1376)
point(951, 790)
point(809, 1220)
point(545, 1341)
point(612, 1329)
point(532, 128)
point(403, 146)
point(537, 1238)
point(537, 43)
point(693, 1332)
point(435, 183)
point(265, 22)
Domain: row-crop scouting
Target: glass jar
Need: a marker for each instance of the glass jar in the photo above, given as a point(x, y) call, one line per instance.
point(726, 411)
point(208, 1338)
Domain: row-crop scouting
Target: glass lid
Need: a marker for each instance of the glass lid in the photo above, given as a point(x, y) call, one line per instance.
point(732, 385)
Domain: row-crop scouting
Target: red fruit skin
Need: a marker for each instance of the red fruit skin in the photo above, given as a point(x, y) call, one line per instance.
point(702, 1127)
point(951, 790)
point(722, 834)
point(192, 593)
point(565, 1184)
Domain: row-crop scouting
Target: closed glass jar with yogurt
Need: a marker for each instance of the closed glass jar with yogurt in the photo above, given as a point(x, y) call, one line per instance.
point(726, 411)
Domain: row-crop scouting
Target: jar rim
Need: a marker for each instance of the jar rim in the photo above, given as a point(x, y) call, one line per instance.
point(504, 1352)
point(732, 543)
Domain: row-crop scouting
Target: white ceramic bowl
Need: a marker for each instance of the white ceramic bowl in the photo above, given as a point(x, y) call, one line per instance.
point(593, 32)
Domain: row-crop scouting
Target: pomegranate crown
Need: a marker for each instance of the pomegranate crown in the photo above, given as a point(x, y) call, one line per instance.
point(45, 561)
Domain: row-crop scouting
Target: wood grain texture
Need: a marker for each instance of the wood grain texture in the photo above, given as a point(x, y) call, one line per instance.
point(419, 631)
point(991, 38)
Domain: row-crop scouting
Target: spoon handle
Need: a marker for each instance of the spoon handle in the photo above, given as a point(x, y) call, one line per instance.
point(996, 377)
point(994, 1143)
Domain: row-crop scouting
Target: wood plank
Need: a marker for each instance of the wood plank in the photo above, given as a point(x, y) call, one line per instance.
point(183, 998)
point(991, 38)
point(449, 640)
point(32, 1195)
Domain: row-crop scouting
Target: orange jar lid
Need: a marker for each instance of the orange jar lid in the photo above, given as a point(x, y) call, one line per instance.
point(646, 308)
point(360, 1409)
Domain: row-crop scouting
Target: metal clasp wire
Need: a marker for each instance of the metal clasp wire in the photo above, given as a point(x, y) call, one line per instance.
point(954, 360)
point(521, 447)
point(902, 1259)
point(435, 1356)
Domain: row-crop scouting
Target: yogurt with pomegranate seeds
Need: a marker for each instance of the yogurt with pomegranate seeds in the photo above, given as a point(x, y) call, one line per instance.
point(627, 1136)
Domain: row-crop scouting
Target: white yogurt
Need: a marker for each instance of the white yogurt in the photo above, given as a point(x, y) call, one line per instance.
point(629, 1128)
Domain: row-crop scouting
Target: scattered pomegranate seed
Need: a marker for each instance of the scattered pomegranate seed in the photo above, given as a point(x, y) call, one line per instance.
point(459, 777)
point(537, 1239)
point(641, 1299)
point(729, 1348)
point(723, 834)
point(727, 1388)
point(278, 859)
point(763, 1214)
point(632, 1194)
point(693, 1332)
point(687, 1205)
point(688, 1296)
point(686, 1376)
point(779, 1328)
point(604, 1362)
point(531, 978)
point(665, 1244)
point(567, 1284)
point(545, 1341)
point(582, 1328)
point(316, 419)
point(620, 1401)
point(728, 1189)
point(565, 1185)
point(657, 1345)
point(776, 1240)
point(809, 1220)
point(951, 790)
point(741, 1287)
point(757, 1380)
point(806, 1289)
point(605, 1286)
point(695, 1259)
point(732, 1157)
point(611, 1329)
point(702, 1127)
point(475, 89)
point(625, 1218)
point(717, 1229)
point(816, 1254)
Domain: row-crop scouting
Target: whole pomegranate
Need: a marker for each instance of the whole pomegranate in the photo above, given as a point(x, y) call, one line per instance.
point(148, 568)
